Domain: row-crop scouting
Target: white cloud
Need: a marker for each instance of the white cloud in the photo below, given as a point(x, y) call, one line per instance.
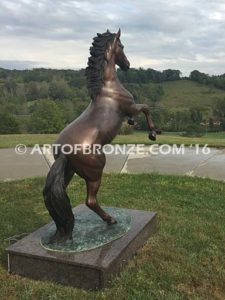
point(161, 34)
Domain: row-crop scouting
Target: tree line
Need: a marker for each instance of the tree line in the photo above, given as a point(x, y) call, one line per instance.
point(214, 81)
point(45, 100)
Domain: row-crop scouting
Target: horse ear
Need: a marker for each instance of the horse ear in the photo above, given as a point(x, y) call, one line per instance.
point(112, 46)
point(118, 34)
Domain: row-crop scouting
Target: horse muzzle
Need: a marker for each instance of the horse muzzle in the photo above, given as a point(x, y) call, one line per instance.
point(125, 64)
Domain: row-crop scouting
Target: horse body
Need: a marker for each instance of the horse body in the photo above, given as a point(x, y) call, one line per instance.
point(97, 125)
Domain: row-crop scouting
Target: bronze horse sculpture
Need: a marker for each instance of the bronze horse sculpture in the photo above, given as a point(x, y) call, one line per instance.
point(110, 104)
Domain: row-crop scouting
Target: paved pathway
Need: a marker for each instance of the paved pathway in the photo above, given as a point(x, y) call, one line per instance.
point(212, 165)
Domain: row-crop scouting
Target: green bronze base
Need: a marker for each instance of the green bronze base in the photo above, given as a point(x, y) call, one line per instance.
point(90, 231)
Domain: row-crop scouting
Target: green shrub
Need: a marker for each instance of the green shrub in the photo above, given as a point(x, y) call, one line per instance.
point(46, 118)
point(8, 123)
point(126, 129)
point(193, 131)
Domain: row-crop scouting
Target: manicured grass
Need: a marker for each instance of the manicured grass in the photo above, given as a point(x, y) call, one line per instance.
point(11, 140)
point(138, 137)
point(212, 139)
point(183, 260)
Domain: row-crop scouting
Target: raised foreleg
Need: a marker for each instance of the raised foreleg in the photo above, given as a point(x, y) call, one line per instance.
point(135, 109)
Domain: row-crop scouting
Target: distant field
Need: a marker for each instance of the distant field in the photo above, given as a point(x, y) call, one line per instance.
point(212, 139)
point(183, 94)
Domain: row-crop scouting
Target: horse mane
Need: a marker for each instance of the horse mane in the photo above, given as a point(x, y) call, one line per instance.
point(95, 68)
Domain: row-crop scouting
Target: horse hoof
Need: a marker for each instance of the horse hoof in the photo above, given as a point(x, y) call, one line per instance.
point(60, 237)
point(152, 135)
point(111, 221)
point(130, 121)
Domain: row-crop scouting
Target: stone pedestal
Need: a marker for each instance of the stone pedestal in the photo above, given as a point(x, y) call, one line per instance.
point(91, 269)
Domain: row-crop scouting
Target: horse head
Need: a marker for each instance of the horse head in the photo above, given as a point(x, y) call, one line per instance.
point(117, 49)
point(106, 50)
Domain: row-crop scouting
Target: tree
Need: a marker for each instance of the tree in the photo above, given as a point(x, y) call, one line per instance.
point(43, 90)
point(219, 112)
point(180, 120)
point(10, 85)
point(216, 81)
point(199, 77)
point(32, 91)
point(171, 75)
point(8, 123)
point(46, 117)
point(59, 89)
point(196, 115)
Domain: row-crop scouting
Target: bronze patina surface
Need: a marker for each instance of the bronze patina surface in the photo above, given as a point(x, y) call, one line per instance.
point(110, 104)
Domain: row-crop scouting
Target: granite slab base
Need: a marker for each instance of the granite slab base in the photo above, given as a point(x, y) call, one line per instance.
point(92, 269)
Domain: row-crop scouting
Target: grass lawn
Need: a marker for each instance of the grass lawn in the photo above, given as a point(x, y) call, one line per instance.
point(212, 139)
point(183, 260)
point(138, 137)
point(11, 140)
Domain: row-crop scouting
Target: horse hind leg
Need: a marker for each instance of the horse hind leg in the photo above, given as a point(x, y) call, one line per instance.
point(91, 201)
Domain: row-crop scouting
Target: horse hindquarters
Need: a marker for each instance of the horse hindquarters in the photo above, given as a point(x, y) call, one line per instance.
point(87, 166)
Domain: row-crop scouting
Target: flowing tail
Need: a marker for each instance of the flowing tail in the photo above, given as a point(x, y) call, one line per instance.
point(56, 199)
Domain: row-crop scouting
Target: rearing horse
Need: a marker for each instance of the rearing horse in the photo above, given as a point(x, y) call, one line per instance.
point(110, 104)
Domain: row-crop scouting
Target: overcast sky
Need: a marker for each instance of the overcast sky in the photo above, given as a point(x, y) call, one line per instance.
point(158, 34)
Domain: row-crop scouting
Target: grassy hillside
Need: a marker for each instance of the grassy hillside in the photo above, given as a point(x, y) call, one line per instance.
point(28, 97)
point(184, 94)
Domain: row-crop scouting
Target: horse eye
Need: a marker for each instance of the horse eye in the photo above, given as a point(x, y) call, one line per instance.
point(121, 46)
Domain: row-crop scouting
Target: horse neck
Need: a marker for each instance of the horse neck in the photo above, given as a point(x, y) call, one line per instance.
point(112, 85)
point(109, 73)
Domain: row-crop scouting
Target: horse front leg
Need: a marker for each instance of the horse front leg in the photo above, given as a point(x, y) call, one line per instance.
point(136, 109)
